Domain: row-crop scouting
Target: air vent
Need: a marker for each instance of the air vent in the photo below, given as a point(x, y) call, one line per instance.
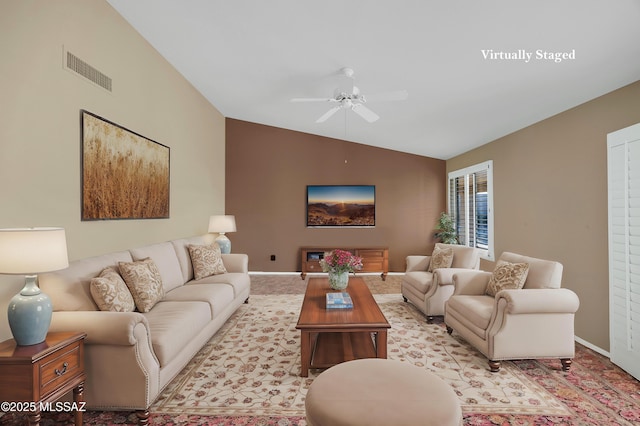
point(87, 71)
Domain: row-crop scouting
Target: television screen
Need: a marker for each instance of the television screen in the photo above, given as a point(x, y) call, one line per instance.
point(341, 205)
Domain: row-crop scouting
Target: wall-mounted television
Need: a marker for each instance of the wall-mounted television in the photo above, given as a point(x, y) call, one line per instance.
point(341, 206)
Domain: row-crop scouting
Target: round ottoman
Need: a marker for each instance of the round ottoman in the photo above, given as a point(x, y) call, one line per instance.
point(372, 392)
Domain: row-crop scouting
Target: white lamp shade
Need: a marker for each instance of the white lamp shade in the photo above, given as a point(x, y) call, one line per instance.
point(222, 223)
point(29, 251)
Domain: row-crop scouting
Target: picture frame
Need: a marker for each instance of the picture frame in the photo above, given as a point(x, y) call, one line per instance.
point(338, 206)
point(124, 174)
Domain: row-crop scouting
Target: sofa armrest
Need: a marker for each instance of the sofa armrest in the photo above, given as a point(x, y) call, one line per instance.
point(444, 276)
point(470, 282)
point(236, 262)
point(417, 263)
point(102, 328)
point(540, 300)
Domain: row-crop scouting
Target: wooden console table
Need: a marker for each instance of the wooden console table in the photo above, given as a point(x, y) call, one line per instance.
point(33, 378)
point(374, 259)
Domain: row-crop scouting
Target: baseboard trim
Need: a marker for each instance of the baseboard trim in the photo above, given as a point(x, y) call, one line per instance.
point(316, 273)
point(592, 347)
point(272, 273)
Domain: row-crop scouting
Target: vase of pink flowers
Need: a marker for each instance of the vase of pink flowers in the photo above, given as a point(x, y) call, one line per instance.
point(339, 263)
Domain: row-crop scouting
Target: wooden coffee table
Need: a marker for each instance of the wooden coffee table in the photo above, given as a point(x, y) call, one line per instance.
point(332, 336)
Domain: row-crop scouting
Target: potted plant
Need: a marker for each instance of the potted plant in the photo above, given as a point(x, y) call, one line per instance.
point(446, 230)
point(338, 263)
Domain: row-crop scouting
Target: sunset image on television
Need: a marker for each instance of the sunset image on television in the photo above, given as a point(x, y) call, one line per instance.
point(341, 205)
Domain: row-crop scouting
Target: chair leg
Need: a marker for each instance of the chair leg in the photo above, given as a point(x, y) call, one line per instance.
point(429, 319)
point(405, 299)
point(566, 363)
point(143, 417)
point(449, 330)
point(494, 366)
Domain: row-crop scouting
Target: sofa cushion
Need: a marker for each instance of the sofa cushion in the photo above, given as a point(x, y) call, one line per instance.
point(507, 275)
point(474, 312)
point(240, 281)
point(542, 273)
point(173, 325)
point(218, 296)
point(182, 253)
point(144, 282)
point(463, 256)
point(441, 258)
point(70, 288)
point(164, 255)
point(420, 280)
point(110, 292)
point(206, 260)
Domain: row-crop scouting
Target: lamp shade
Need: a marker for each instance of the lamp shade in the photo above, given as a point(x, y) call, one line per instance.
point(222, 223)
point(27, 251)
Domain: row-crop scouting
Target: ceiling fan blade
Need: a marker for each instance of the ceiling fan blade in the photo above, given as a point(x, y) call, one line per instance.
point(365, 113)
point(398, 95)
point(311, 99)
point(328, 114)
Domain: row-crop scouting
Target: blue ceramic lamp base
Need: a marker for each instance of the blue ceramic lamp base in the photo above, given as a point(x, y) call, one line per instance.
point(224, 243)
point(29, 314)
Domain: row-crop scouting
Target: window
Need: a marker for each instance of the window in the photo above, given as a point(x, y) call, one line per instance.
point(471, 206)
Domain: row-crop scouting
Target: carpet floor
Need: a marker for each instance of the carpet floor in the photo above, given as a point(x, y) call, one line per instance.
point(248, 373)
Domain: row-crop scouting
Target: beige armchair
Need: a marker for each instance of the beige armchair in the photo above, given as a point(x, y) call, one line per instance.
point(428, 291)
point(535, 321)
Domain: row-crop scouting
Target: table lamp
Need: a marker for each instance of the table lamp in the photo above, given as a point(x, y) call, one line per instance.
point(29, 251)
point(222, 224)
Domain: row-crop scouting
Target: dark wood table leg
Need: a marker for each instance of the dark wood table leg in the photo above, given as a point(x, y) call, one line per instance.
point(305, 353)
point(381, 344)
point(34, 417)
point(78, 398)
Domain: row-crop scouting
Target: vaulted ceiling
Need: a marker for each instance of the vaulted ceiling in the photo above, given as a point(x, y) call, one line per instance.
point(463, 63)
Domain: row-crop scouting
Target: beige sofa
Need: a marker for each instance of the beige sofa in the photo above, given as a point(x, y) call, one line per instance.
point(131, 356)
point(536, 321)
point(428, 291)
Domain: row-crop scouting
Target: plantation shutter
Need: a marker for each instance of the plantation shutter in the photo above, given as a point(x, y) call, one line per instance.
point(458, 209)
point(470, 206)
point(623, 157)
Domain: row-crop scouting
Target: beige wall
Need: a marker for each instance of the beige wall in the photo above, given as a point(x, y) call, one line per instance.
point(268, 170)
point(550, 187)
point(40, 131)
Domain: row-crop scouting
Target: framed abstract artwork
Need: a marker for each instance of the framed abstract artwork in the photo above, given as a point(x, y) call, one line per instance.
point(124, 175)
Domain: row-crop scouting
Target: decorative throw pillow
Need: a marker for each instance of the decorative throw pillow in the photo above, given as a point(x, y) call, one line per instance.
point(441, 258)
point(206, 260)
point(507, 276)
point(110, 292)
point(144, 281)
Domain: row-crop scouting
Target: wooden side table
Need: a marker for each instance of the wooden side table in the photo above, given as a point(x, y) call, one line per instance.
point(33, 378)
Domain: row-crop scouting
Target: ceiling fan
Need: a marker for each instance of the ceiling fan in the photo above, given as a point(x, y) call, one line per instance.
point(349, 97)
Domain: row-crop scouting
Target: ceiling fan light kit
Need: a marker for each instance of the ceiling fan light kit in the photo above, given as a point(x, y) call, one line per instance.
point(353, 100)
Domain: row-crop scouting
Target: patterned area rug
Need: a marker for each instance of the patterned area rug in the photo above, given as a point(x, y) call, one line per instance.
point(252, 366)
point(595, 392)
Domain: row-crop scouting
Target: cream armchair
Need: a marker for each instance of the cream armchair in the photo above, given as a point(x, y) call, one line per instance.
point(428, 291)
point(533, 322)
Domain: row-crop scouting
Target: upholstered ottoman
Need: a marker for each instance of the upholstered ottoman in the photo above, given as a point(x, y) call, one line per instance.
point(372, 392)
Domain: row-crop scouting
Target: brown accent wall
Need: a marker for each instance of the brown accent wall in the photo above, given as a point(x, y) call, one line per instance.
point(550, 197)
point(268, 169)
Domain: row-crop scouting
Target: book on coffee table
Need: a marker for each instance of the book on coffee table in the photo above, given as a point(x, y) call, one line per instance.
point(340, 300)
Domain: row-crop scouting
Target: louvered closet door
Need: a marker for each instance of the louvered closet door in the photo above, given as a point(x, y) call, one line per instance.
point(623, 159)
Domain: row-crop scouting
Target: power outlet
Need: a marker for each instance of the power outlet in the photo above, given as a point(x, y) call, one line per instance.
point(273, 257)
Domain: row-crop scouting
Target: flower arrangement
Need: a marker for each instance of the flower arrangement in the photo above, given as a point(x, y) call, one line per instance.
point(337, 261)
